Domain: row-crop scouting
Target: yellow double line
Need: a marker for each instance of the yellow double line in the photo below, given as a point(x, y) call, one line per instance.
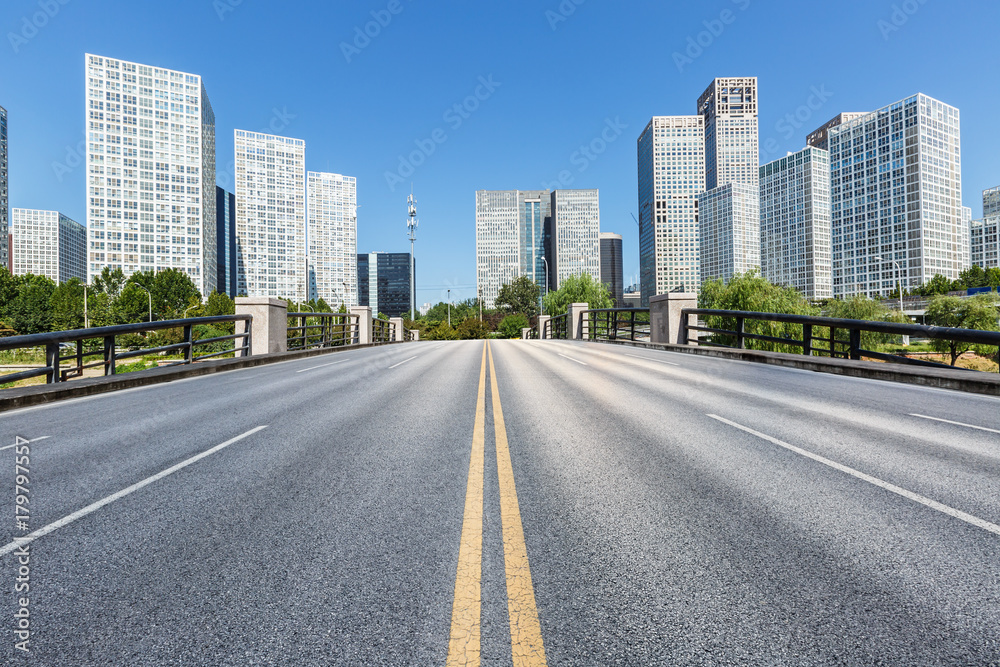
point(527, 648)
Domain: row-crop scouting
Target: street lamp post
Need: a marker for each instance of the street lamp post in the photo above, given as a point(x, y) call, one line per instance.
point(86, 318)
point(343, 301)
point(899, 276)
point(150, 300)
point(541, 303)
point(449, 308)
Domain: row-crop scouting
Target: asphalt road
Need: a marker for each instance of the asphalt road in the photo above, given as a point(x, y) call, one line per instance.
point(654, 509)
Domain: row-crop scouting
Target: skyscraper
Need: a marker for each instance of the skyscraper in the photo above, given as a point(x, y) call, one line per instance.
point(225, 243)
point(795, 222)
point(671, 157)
point(729, 107)
point(820, 137)
point(611, 266)
point(384, 282)
point(150, 171)
point(4, 202)
point(511, 238)
point(991, 202)
point(895, 194)
point(728, 231)
point(985, 242)
point(333, 238)
point(270, 215)
point(48, 243)
point(576, 227)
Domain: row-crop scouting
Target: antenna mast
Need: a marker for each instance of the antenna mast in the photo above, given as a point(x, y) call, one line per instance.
point(411, 227)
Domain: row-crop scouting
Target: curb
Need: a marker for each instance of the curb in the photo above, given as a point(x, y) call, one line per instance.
point(973, 382)
point(22, 397)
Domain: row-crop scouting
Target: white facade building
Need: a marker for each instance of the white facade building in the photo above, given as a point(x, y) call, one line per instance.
point(729, 231)
point(729, 107)
point(150, 171)
point(985, 242)
point(48, 243)
point(795, 222)
point(333, 238)
point(270, 215)
point(4, 201)
point(991, 202)
point(576, 229)
point(895, 193)
point(671, 170)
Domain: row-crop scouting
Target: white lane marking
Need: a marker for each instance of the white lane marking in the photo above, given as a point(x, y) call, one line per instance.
point(402, 362)
point(322, 366)
point(923, 500)
point(948, 421)
point(572, 359)
point(93, 507)
point(669, 363)
point(41, 437)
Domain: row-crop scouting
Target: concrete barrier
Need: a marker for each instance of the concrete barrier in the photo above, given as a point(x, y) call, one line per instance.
point(364, 335)
point(665, 326)
point(575, 327)
point(269, 330)
point(542, 320)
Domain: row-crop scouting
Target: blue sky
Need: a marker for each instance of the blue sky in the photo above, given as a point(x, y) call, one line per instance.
point(552, 77)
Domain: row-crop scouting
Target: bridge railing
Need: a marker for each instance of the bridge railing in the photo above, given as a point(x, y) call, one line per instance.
point(616, 324)
point(101, 343)
point(557, 327)
point(318, 330)
point(819, 336)
point(383, 331)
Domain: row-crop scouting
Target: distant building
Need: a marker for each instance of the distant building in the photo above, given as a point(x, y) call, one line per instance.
point(333, 238)
point(631, 300)
point(820, 138)
point(575, 231)
point(225, 242)
point(270, 215)
point(889, 203)
point(4, 202)
point(985, 242)
point(671, 169)
point(729, 107)
point(611, 266)
point(384, 282)
point(511, 238)
point(991, 202)
point(48, 243)
point(150, 171)
point(965, 242)
point(795, 222)
point(729, 231)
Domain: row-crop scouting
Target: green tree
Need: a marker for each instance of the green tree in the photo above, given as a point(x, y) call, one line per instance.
point(974, 312)
point(472, 329)
point(519, 296)
point(173, 291)
point(860, 307)
point(439, 331)
point(31, 310)
point(219, 303)
point(111, 281)
point(511, 326)
point(992, 277)
point(67, 305)
point(752, 292)
point(580, 288)
point(974, 276)
point(936, 285)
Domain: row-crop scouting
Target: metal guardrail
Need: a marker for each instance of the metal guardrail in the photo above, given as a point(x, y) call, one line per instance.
point(557, 326)
point(819, 335)
point(382, 331)
point(616, 324)
point(105, 338)
point(408, 335)
point(317, 330)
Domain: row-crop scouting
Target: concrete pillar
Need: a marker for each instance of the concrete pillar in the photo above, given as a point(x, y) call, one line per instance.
point(665, 316)
point(542, 319)
point(416, 334)
point(575, 329)
point(269, 329)
point(364, 333)
point(525, 333)
point(398, 334)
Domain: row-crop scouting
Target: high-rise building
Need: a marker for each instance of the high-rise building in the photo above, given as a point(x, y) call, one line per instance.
point(384, 282)
point(48, 243)
point(576, 227)
point(671, 157)
point(965, 240)
point(270, 215)
point(729, 231)
point(795, 222)
point(820, 138)
point(512, 237)
point(333, 238)
point(225, 242)
point(150, 171)
point(729, 107)
point(4, 201)
point(895, 194)
point(985, 242)
point(991, 202)
point(611, 266)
